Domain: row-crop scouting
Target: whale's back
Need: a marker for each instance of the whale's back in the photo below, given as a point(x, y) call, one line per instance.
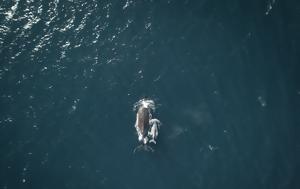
point(143, 120)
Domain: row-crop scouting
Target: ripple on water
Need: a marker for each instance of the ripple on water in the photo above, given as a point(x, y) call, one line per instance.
point(11, 12)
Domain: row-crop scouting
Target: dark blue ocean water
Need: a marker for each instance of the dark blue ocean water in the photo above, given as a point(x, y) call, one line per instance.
point(224, 76)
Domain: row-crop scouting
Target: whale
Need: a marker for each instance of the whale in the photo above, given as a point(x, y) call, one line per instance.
point(153, 131)
point(144, 107)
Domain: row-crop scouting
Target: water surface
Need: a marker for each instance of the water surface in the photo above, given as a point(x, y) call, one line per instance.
point(225, 76)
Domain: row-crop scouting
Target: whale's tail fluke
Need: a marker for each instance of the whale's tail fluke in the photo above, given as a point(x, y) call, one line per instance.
point(143, 147)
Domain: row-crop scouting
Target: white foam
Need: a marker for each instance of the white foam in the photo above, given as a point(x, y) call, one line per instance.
point(146, 104)
point(31, 21)
point(12, 11)
point(69, 24)
point(270, 6)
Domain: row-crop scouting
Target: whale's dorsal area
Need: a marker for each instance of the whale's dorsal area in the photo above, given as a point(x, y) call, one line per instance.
point(143, 116)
